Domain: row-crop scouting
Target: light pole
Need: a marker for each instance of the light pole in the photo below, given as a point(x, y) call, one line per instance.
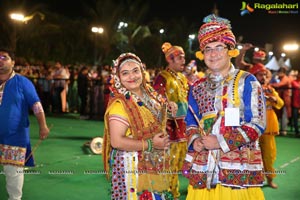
point(191, 38)
point(270, 54)
point(161, 32)
point(122, 25)
point(19, 17)
point(291, 47)
point(291, 51)
point(96, 30)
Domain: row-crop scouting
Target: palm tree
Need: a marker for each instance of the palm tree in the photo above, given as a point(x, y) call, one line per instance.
point(58, 37)
point(109, 14)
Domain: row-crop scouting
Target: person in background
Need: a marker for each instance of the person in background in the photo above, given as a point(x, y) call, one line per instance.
point(135, 139)
point(107, 84)
point(73, 100)
point(59, 76)
point(257, 57)
point(191, 73)
point(267, 141)
point(283, 87)
point(98, 94)
point(225, 119)
point(83, 88)
point(64, 93)
point(44, 88)
point(17, 96)
point(172, 83)
point(296, 103)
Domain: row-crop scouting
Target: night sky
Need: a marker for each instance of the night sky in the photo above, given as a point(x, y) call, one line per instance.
point(258, 27)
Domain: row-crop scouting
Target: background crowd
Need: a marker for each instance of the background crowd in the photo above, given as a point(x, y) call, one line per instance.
point(66, 88)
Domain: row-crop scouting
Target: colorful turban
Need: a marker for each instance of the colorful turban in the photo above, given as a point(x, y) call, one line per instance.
point(215, 29)
point(259, 55)
point(258, 67)
point(170, 50)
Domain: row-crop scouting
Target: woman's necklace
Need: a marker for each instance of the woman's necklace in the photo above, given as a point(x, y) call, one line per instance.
point(149, 103)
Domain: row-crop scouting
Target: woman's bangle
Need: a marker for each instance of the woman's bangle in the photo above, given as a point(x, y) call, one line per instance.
point(150, 145)
point(143, 145)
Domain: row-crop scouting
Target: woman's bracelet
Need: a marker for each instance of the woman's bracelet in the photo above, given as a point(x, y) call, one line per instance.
point(143, 143)
point(150, 145)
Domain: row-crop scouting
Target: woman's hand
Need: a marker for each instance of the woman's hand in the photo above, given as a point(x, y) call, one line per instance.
point(161, 141)
point(198, 145)
point(272, 99)
point(172, 108)
point(210, 142)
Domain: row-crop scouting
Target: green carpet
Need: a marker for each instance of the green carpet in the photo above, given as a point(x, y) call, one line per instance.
point(68, 170)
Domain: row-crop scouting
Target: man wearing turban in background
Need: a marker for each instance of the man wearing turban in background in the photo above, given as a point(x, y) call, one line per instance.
point(174, 85)
point(257, 57)
point(267, 140)
point(225, 119)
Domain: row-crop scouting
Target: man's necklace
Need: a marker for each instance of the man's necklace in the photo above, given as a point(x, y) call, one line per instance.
point(215, 81)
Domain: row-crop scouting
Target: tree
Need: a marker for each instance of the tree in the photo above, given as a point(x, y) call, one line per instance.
point(70, 40)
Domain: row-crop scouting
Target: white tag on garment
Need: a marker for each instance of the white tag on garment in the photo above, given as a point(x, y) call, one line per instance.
point(232, 117)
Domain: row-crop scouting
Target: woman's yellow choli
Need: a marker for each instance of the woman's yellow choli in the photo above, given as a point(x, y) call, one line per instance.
point(117, 109)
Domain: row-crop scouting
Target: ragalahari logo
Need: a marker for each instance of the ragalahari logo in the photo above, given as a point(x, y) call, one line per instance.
point(246, 9)
point(270, 8)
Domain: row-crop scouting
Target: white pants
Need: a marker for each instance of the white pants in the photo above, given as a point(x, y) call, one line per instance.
point(14, 181)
